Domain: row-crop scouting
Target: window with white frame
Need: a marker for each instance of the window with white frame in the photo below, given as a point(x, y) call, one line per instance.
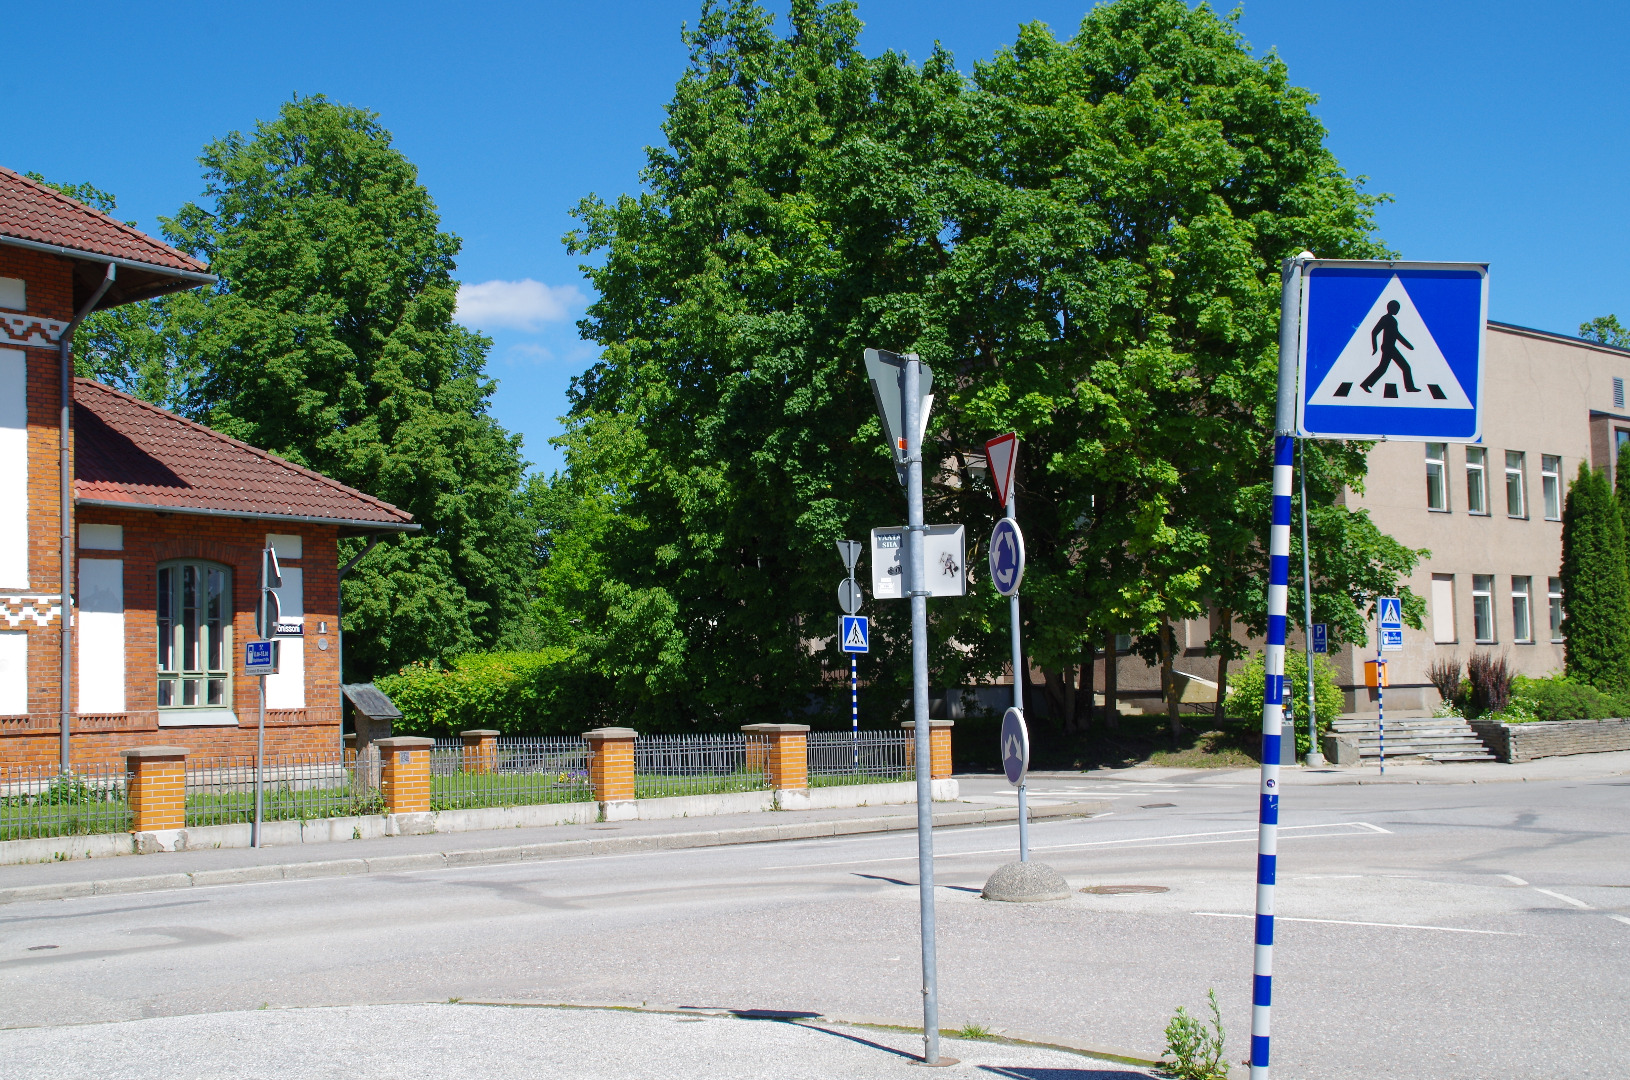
point(1483, 608)
point(1521, 626)
point(1437, 487)
point(1477, 487)
point(1555, 591)
point(194, 632)
point(1516, 504)
point(1550, 481)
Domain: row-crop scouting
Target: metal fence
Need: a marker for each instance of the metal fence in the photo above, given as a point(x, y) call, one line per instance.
point(37, 800)
point(298, 787)
point(867, 757)
point(668, 765)
point(517, 772)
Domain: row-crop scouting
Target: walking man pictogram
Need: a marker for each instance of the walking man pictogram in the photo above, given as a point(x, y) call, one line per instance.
point(1386, 328)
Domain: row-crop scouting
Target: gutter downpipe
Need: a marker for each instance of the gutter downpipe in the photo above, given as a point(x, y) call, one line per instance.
point(66, 505)
point(339, 626)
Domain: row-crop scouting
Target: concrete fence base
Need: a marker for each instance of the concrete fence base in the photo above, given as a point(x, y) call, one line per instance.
point(1552, 738)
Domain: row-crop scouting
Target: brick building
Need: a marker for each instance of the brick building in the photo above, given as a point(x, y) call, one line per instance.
point(156, 522)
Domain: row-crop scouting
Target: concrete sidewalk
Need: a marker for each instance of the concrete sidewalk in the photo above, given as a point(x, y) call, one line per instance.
point(1575, 767)
point(500, 1042)
point(433, 851)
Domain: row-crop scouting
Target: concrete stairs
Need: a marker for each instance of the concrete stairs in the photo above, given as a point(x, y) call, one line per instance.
point(1436, 738)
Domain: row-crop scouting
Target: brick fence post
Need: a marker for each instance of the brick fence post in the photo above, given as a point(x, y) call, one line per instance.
point(156, 788)
point(939, 747)
point(785, 755)
point(611, 770)
point(480, 750)
point(404, 771)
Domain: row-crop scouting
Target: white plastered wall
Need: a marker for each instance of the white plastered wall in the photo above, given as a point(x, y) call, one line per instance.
point(13, 469)
point(13, 672)
point(101, 624)
point(287, 689)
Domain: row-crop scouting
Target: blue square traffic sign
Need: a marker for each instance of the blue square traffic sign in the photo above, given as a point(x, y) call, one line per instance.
point(853, 632)
point(1321, 637)
point(260, 658)
point(1389, 616)
point(1392, 350)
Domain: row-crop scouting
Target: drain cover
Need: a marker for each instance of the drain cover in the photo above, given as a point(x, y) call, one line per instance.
point(1119, 890)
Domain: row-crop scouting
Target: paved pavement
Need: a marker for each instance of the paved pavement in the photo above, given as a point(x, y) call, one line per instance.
point(1435, 929)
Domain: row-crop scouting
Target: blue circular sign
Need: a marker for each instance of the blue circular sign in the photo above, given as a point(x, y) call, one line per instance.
point(1006, 556)
point(1015, 746)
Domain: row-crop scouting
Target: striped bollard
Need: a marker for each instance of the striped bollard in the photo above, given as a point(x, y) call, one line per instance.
point(854, 708)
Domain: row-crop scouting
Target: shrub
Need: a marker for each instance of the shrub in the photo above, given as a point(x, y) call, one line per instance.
point(1445, 675)
point(1596, 618)
point(1246, 685)
point(1490, 679)
point(517, 693)
point(1560, 697)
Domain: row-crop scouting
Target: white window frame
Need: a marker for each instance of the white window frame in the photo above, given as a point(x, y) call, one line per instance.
point(1437, 468)
point(1477, 481)
point(1483, 610)
point(1522, 610)
point(1516, 483)
point(1550, 479)
point(1554, 594)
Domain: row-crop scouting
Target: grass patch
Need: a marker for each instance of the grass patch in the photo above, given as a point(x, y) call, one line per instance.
point(1206, 743)
point(844, 779)
point(462, 791)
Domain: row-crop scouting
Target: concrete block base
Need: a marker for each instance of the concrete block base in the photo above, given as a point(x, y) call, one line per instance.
point(1025, 883)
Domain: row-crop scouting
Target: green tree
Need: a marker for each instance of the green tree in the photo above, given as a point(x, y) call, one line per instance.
point(1595, 584)
point(1606, 329)
point(1083, 239)
point(330, 341)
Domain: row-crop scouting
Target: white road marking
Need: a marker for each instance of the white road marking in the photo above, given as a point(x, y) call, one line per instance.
point(1133, 841)
point(1372, 828)
point(1514, 879)
point(1564, 898)
point(1620, 918)
point(1355, 922)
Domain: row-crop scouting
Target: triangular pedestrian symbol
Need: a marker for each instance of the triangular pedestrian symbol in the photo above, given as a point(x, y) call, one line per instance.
point(1389, 611)
point(1000, 454)
point(857, 636)
point(1392, 361)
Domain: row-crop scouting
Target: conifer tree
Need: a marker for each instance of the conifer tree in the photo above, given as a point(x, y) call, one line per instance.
point(1596, 584)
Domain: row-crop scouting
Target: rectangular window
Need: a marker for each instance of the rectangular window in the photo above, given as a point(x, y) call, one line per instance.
point(1483, 608)
point(1516, 487)
point(194, 636)
point(1556, 608)
point(1443, 609)
point(1520, 628)
point(1550, 479)
point(1477, 489)
point(1437, 490)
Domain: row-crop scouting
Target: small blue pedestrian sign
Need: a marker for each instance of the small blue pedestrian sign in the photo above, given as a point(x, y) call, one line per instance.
point(1392, 350)
point(853, 632)
point(1321, 637)
point(260, 658)
point(1390, 617)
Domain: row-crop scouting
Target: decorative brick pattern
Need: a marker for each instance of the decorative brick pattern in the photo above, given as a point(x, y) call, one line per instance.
point(39, 610)
point(939, 747)
point(404, 775)
point(20, 330)
point(785, 753)
point(480, 750)
point(611, 763)
point(156, 786)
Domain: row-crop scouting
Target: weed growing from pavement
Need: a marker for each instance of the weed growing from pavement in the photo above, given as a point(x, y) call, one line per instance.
point(1194, 1052)
point(971, 1030)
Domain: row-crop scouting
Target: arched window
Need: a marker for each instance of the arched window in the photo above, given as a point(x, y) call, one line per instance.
point(194, 635)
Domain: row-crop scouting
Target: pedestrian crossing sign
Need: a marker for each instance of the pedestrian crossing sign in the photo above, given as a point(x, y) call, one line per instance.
point(1392, 350)
point(853, 632)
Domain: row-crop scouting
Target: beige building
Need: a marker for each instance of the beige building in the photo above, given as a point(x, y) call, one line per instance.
point(1491, 515)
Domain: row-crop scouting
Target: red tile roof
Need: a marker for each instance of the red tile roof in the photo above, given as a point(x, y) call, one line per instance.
point(32, 211)
point(135, 455)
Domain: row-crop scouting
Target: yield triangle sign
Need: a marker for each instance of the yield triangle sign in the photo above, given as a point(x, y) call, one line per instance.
point(1001, 453)
point(1391, 361)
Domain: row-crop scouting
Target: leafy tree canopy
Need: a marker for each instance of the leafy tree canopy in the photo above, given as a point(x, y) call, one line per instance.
point(1606, 329)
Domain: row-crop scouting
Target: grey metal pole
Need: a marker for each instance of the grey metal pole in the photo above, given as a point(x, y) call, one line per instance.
point(1018, 692)
point(260, 765)
point(1307, 619)
point(917, 589)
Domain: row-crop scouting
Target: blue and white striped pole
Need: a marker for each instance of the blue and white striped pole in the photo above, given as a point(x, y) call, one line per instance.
point(1273, 696)
point(854, 708)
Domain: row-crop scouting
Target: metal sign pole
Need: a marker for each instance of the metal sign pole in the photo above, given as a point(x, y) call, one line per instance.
point(1307, 615)
point(260, 765)
point(854, 707)
point(1274, 664)
point(917, 589)
point(1018, 692)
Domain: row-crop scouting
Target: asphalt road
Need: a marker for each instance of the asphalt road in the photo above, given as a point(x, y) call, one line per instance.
point(1426, 931)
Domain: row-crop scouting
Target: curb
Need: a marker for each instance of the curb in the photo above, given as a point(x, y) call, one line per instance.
point(559, 849)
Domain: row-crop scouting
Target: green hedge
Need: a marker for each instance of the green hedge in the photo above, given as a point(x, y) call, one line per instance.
point(1560, 697)
point(517, 693)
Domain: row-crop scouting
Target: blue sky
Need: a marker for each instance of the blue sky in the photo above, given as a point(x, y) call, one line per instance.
point(1500, 129)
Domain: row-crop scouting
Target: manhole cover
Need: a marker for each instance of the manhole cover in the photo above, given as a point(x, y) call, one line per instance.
point(1119, 890)
point(1156, 805)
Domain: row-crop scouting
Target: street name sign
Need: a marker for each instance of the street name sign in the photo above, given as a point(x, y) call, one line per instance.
point(944, 549)
point(854, 631)
point(1015, 746)
point(1392, 350)
point(1000, 454)
point(1006, 556)
point(1390, 617)
point(260, 658)
point(1321, 637)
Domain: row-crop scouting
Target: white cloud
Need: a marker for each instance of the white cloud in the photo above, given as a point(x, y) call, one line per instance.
point(515, 305)
point(529, 352)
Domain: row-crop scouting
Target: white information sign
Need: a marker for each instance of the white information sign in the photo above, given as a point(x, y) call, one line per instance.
point(944, 547)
